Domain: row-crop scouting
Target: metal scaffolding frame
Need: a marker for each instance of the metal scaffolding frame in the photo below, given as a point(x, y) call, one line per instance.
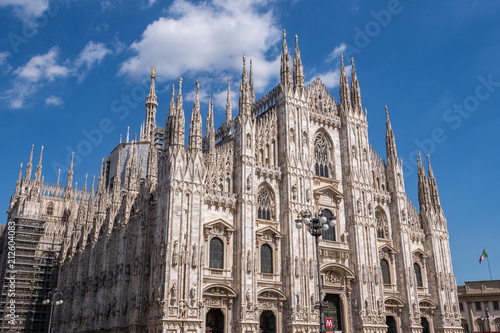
point(36, 270)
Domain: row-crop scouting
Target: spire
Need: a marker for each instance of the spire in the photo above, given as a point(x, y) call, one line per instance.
point(58, 177)
point(19, 179)
point(423, 186)
point(128, 130)
point(20, 173)
point(92, 191)
point(85, 184)
point(178, 130)
point(210, 138)
point(390, 141)
point(433, 187)
point(152, 168)
point(355, 91)
point(298, 70)
point(132, 168)
point(195, 129)
point(30, 165)
point(69, 183)
point(171, 108)
point(38, 173)
point(118, 176)
point(431, 173)
point(151, 104)
point(168, 121)
point(100, 180)
point(244, 91)
point(229, 110)
point(250, 83)
point(345, 96)
point(285, 67)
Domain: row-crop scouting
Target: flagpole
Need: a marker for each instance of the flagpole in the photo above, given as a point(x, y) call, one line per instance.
point(489, 268)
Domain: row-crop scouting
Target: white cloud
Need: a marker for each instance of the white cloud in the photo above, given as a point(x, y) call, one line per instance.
point(43, 66)
point(208, 37)
point(29, 78)
point(26, 9)
point(91, 54)
point(336, 52)
point(53, 100)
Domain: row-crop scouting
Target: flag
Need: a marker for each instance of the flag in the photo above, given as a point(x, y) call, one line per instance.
point(484, 255)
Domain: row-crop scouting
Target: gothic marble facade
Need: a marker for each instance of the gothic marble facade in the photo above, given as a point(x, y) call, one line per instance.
point(203, 238)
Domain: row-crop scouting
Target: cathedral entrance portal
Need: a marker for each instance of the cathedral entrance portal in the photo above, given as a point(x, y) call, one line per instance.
point(333, 311)
point(267, 322)
point(391, 324)
point(214, 321)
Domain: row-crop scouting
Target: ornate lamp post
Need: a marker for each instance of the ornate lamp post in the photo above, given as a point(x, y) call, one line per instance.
point(55, 298)
point(315, 226)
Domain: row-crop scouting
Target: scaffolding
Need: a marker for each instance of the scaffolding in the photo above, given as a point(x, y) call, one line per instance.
point(35, 272)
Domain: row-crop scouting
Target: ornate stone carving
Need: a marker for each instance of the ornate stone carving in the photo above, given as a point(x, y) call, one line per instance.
point(249, 261)
point(332, 277)
point(175, 254)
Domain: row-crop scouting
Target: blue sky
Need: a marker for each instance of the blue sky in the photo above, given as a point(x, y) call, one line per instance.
point(74, 75)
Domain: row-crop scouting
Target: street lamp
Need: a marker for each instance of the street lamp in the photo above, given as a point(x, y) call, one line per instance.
point(54, 299)
point(315, 226)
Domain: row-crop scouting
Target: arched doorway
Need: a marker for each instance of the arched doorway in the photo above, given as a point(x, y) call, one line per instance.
point(425, 325)
point(214, 322)
point(267, 322)
point(333, 311)
point(391, 324)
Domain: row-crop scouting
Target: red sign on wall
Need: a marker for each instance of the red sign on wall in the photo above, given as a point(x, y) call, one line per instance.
point(329, 323)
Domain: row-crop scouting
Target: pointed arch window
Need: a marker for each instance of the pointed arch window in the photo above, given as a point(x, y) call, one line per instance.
point(266, 259)
point(382, 227)
point(321, 155)
point(418, 274)
point(216, 253)
point(386, 276)
point(330, 233)
point(265, 203)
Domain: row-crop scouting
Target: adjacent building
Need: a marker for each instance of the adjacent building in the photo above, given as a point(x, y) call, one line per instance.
point(479, 306)
point(203, 239)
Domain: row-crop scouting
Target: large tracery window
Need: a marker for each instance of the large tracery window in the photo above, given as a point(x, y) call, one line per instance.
point(216, 253)
point(382, 228)
point(418, 275)
point(266, 259)
point(265, 202)
point(321, 156)
point(330, 233)
point(386, 275)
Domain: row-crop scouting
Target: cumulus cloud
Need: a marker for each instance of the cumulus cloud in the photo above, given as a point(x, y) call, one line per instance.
point(208, 37)
point(26, 9)
point(53, 100)
point(35, 73)
point(44, 68)
point(91, 54)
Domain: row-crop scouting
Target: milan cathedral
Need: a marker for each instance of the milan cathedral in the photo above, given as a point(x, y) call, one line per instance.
point(202, 238)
